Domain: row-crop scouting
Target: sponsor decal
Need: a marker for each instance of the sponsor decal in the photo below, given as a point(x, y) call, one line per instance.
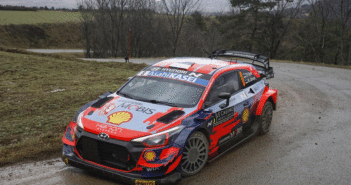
point(120, 117)
point(136, 107)
point(230, 136)
point(155, 69)
point(242, 78)
point(223, 116)
point(243, 95)
point(236, 132)
point(210, 123)
point(176, 76)
point(197, 75)
point(248, 77)
point(192, 78)
point(144, 182)
point(107, 109)
point(108, 129)
point(224, 139)
point(152, 169)
point(246, 114)
point(150, 156)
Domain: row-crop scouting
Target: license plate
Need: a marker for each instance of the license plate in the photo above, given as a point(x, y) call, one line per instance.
point(144, 182)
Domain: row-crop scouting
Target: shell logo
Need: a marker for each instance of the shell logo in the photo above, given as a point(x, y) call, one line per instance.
point(246, 114)
point(150, 156)
point(119, 117)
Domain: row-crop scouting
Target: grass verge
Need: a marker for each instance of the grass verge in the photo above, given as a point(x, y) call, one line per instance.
point(40, 94)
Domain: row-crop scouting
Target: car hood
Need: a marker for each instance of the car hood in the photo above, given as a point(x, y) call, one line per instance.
point(125, 119)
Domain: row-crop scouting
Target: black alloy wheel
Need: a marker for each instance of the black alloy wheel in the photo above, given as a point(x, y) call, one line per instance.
point(195, 154)
point(266, 118)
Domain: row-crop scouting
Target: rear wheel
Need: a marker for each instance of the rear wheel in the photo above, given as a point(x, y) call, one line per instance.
point(195, 154)
point(265, 119)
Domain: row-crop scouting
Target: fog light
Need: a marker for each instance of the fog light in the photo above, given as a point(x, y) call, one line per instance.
point(150, 156)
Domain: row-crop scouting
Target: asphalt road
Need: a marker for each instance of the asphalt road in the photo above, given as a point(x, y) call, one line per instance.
point(56, 50)
point(309, 141)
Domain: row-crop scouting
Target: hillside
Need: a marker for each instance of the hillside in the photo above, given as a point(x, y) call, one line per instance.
point(40, 29)
point(37, 17)
point(44, 35)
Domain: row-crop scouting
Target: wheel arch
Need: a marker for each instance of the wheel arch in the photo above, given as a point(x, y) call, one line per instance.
point(268, 95)
point(273, 103)
point(205, 132)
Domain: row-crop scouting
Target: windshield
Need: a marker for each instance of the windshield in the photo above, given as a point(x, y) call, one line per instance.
point(163, 91)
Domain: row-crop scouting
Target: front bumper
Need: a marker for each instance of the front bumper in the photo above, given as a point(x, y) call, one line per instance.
point(75, 161)
point(120, 159)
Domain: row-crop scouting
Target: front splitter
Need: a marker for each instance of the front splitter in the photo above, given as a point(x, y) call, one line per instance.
point(121, 176)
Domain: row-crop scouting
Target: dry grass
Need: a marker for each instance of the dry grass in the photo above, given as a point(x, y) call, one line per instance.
point(40, 94)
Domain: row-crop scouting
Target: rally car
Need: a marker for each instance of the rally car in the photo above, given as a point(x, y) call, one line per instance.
point(172, 117)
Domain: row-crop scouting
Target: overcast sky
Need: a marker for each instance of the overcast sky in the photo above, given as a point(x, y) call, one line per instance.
point(208, 5)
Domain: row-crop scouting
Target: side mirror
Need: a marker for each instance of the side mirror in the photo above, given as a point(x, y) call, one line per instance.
point(224, 95)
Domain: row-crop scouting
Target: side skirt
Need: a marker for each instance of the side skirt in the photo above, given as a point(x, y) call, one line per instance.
point(230, 145)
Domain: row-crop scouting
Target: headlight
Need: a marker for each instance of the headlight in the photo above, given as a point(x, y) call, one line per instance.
point(160, 139)
point(79, 120)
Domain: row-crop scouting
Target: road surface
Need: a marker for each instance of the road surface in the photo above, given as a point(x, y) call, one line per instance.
point(309, 141)
point(47, 51)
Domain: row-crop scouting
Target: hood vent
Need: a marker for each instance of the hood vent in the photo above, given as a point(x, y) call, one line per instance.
point(171, 116)
point(101, 102)
point(150, 127)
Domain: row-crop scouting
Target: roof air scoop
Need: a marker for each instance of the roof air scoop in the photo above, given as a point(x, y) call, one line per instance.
point(185, 65)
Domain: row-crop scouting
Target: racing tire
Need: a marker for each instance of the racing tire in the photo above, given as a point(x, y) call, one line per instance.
point(195, 154)
point(265, 119)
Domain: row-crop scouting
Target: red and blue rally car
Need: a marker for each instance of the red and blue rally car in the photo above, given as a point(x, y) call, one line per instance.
point(172, 117)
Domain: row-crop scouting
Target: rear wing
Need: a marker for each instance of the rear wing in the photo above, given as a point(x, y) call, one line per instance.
point(259, 61)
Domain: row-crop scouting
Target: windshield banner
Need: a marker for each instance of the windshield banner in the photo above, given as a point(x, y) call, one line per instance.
point(175, 76)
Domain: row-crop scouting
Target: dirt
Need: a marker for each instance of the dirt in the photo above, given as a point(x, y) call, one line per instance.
point(309, 140)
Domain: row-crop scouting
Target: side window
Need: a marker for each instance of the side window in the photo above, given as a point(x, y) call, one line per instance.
point(248, 78)
point(227, 82)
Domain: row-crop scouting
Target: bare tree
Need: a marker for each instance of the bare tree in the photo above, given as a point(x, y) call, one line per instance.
point(176, 12)
point(253, 8)
point(320, 19)
point(342, 12)
point(141, 21)
point(86, 9)
point(277, 25)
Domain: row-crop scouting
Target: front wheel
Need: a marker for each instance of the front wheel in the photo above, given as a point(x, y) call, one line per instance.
point(195, 154)
point(265, 119)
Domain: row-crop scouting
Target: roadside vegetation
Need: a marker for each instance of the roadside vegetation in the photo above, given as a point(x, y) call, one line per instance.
point(44, 35)
point(316, 31)
point(40, 94)
point(37, 17)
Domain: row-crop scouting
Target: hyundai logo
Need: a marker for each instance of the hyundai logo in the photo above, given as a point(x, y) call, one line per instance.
point(104, 136)
point(155, 69)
